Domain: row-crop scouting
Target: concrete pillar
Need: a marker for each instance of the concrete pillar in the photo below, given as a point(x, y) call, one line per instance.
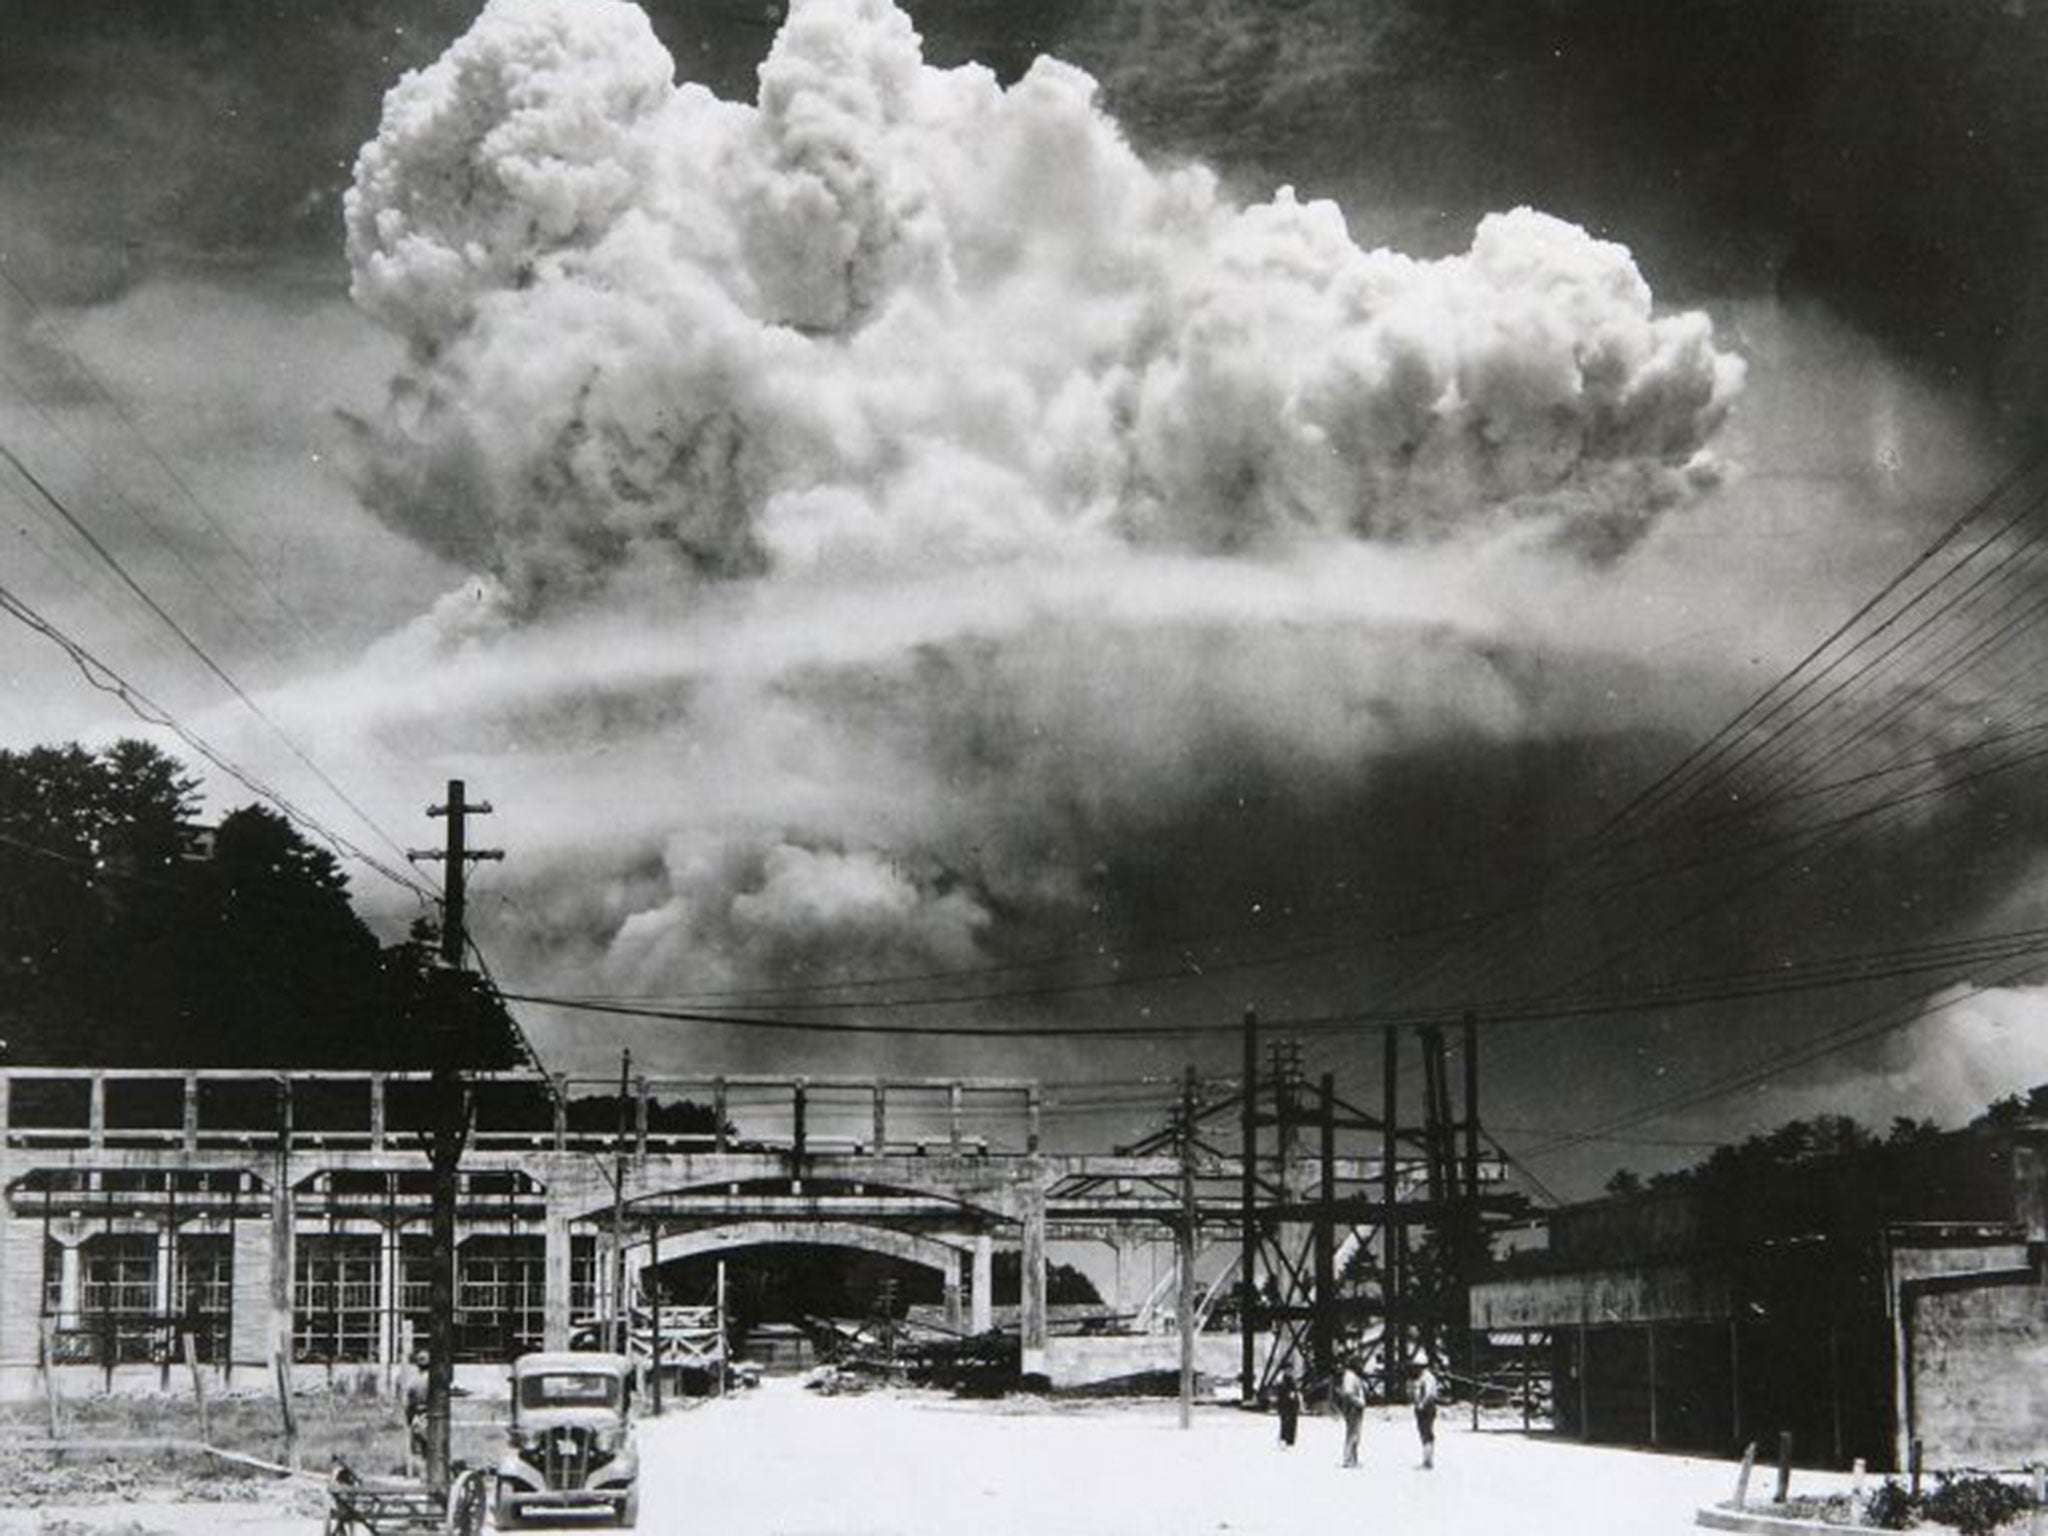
point(251, 1328)
point(390, 1263)
point(1128, 1291)
point(953, 1280)
point(1031, 1204)
point(166, 1263)
point(607, 1271)
point(70, 1283)
point(555, 1272)
point(980, 1295)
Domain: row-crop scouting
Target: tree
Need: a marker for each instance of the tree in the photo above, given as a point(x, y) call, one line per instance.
point(91, 850)
point(1906, 1131)
point(598, 1114)
point(129, 937)
point(1064, 1284)
point(2015, 1109)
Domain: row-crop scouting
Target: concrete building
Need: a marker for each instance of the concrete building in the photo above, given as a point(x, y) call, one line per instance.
point(260, 1223)
point(1862, 1306)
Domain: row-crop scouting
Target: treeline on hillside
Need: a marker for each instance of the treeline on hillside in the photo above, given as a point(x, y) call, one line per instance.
point(130, 936)
point(1830, 1173)
point(1795, 1144)
point(1823, 1139)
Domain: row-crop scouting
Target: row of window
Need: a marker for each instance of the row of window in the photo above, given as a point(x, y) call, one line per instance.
point(119, 1315)
point(338, 1296)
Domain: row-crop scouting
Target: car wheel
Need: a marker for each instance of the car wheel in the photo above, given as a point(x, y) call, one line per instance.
point(629, 1509)
point(505, 1514)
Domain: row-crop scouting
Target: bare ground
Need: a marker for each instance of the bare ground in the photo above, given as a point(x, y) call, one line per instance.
point(780, 1461)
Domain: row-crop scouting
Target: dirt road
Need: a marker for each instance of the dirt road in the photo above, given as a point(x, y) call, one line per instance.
point(783, 1462)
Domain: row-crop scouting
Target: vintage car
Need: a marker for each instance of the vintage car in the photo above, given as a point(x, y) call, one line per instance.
point(571, 1440)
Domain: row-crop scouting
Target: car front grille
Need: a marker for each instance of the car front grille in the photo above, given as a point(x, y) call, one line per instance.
point(567, 1456)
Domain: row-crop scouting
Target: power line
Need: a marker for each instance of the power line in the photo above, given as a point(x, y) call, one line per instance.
point(106, 679)
point(1781, 981)
point(1685, 787)
point(192, 645)
point(1856, 1032)
point(1740, 723)
point(113, 401)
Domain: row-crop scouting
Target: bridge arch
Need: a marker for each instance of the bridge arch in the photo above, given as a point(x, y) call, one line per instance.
point(930, 1252)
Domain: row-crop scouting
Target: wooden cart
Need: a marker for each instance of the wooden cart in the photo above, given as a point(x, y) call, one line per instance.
point(386, 1507)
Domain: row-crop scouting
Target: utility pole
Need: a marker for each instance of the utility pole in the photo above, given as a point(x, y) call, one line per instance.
point(449, 1003)
point(620, 1330)
point(1186, 1246)
point(455, 859)
point(1250, 1313)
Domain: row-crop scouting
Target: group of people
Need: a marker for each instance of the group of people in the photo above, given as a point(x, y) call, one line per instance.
point(1347, 1396)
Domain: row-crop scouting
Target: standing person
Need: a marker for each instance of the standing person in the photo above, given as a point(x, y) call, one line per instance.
point(1287, 1397)
point(1349, 1396)
point(414, 1402)
point(1424, 1394)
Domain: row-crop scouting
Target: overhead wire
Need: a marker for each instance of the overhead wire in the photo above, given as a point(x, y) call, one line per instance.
point(102, 676)
point(1594, 852)
point(197, 650)
point(1740, 723)
point(222, 601)
point(1690, 775)
point(829, 995)
point(1804, 1053)
point(107, 395)
point(1632, 824)
point(1721, 987)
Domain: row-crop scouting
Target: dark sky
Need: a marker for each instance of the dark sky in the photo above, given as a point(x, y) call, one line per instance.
point(1882, 159)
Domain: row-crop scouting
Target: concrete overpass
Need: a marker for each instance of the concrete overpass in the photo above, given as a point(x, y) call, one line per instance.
point(284, 1216)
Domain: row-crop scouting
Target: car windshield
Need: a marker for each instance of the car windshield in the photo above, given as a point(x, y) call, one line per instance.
point(569, 1389)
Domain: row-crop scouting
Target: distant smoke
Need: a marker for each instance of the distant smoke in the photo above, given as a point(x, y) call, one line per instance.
point(900, 503)
point(1965, 1050)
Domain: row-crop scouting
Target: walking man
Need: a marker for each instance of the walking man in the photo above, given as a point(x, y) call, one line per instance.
point(1349, 1396)
point(1287, 1397)
point(1424, 1394)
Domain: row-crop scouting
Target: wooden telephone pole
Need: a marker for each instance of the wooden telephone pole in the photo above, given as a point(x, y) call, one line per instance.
point(450, 1004)
point(1184, 1245)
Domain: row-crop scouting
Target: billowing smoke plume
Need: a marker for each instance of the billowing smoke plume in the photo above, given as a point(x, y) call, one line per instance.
point(903, 512)
point(899, 317)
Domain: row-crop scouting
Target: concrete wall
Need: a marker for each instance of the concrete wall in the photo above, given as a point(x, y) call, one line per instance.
point(1659, 1293)
point(21, 1294)
point(1921, 1261)
point(986, 1194)
point(1089, 1359)
point(1978, 1370)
